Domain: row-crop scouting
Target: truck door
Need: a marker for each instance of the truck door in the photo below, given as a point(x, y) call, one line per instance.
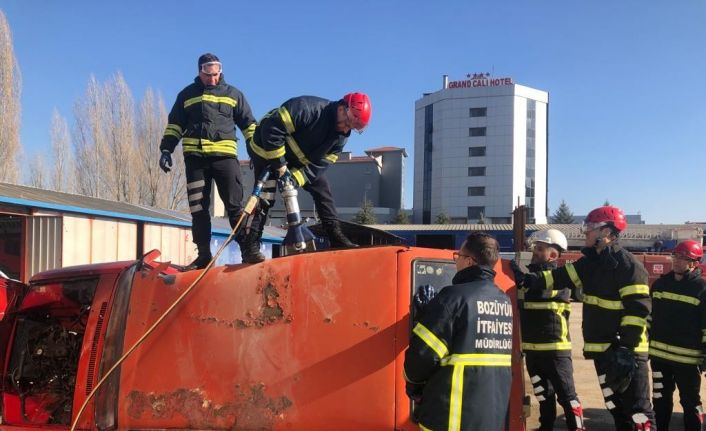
point(11, 292)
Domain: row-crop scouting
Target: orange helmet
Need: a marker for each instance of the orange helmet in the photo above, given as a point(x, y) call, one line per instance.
point(689, 249)
point(360, 108)
point(605, 216)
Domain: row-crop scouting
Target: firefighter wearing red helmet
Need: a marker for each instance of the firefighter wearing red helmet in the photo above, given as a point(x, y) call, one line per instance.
point(678, 336)
point(612, 284)
point(302, 138)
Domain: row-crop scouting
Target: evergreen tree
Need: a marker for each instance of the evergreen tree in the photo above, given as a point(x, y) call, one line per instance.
point(401, 217)
point(443, 218)
point(366, 214)
point(563, 214)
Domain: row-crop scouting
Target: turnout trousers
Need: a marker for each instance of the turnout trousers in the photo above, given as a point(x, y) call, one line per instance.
point(552, 378)
point(632, 409)
point(201, 172)
point(319, 189)
point(687, 378)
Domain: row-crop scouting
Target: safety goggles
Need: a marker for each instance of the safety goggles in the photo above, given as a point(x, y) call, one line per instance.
point(206, 66)
point(587, 227)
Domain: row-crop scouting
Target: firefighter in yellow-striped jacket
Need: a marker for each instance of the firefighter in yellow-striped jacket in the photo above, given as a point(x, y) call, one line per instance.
point(612, 284)
point(544, 319)
point(302, 138)
point(678, 337)
point(457, 366)
point(203, 118)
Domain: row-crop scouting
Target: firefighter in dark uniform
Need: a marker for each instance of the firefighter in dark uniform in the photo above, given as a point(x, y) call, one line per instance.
point(544, 317)
point(678, 337)
point(612, 284)
point(458, 362)
point(203, 118)
point(302, 138)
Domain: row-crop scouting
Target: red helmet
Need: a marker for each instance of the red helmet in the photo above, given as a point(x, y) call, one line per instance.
point(606, 215)
point(359, 105)
point(690, 249)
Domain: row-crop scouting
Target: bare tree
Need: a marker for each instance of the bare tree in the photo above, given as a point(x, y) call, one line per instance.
point(61, 178)
point(90, 140)
point(36, 172)
point(10, 88)
point(120, 164)
point(157, 188)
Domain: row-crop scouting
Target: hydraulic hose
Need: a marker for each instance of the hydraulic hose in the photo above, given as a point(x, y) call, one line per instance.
point(249, 208)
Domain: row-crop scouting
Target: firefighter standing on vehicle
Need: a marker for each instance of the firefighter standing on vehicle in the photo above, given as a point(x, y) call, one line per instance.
point(678, 337)
point(458, 362)
point(544, 317)
point(302, 138)
point(616, 303)
point(203, 118)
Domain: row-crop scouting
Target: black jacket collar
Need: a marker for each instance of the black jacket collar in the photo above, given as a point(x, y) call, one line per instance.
point(474, 273)
point(536, 267)
point(606, 256)
point(199, 83)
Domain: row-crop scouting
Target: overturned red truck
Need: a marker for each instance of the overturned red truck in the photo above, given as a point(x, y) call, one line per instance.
point(306, 342)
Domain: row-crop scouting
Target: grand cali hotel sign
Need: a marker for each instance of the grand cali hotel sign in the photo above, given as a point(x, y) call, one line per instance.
point(480, 80)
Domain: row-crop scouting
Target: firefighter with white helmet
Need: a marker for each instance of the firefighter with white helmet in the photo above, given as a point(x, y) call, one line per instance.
point(678, 337)
point(616, 303)
point(544, 317)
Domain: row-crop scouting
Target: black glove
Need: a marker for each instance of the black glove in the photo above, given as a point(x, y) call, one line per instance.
point(414, 392)
point(165, 161)
point(519, 273)
point(621, 368)
point(425, 293)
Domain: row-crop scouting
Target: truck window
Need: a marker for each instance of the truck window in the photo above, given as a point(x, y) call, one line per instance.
point(436, 273)
point(41, 374)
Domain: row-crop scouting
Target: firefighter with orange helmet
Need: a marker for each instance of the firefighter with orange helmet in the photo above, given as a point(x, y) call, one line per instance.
point(678, 337)
point(544, 318)
point(612, 284)
point(302, 138)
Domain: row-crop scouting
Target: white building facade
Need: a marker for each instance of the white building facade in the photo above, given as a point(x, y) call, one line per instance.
point(480, 149)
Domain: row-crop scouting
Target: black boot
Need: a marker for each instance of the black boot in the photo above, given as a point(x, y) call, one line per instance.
point(200, 262)
point(335, 235)
point(250, 247)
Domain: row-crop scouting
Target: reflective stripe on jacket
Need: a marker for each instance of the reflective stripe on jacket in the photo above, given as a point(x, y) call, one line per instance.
point(203, 118)
point(461, 350)
point(302, 133)
point(544, 318)
point(678, 320)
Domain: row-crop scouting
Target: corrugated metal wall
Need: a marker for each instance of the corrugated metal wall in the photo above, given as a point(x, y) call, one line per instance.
point(174, 242)
point(94, 240)
point(43, 247)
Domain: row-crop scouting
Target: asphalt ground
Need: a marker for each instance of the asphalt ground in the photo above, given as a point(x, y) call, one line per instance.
point(596, 416)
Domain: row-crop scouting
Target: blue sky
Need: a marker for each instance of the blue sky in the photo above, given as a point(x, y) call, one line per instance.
point(626, 79)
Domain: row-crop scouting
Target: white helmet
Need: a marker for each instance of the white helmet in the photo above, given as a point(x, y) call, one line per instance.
point(551, 237)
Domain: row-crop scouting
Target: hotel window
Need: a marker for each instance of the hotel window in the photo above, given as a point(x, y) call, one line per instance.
point(476, 171)
point(476, 131)
point(476, 191)
point(478, 112)
point(474, 213)
point(476, 151)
